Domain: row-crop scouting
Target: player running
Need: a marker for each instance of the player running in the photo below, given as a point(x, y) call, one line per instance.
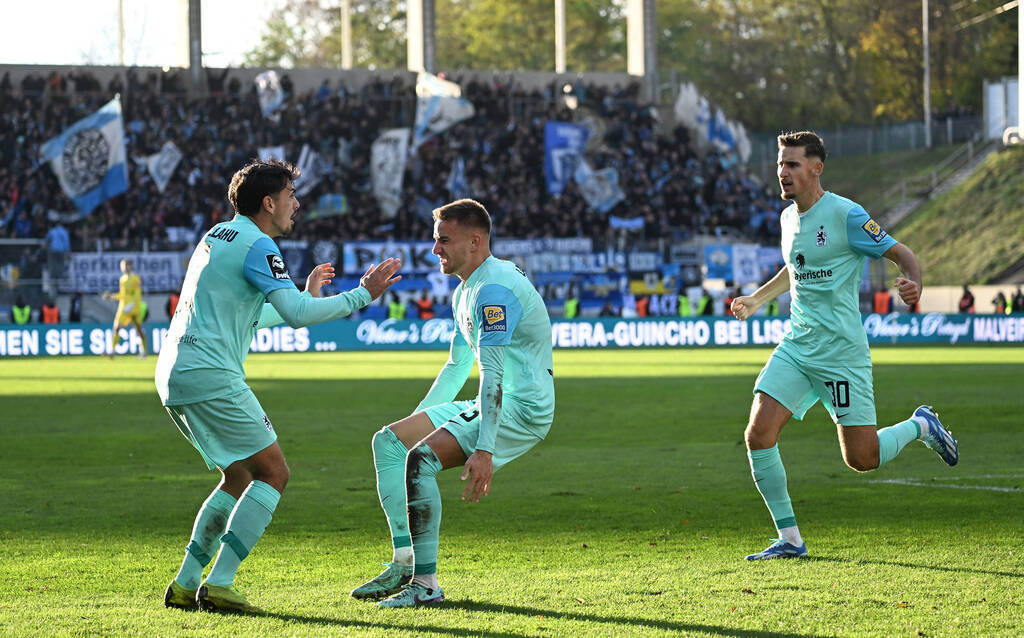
point(502, 321)
point(129, 307)
point(824, 355)
point(235, 268)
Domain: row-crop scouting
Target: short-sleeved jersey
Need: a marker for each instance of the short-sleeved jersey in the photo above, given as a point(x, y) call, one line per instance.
point(825, 249)
point(498, 306)
point(233, 269)
point(130, 289)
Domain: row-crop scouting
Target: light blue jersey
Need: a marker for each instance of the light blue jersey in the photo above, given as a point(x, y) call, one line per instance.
point(498, 306)
point(231, 272)
point(824, 249)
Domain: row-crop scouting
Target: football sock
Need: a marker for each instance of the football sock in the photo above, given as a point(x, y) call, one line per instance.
point(389, 460)
point(770, 479)
point(892, 439)
point(424, 498)
point(427, 580)
point(248, 521)
point(791, 535)
point(206, 532)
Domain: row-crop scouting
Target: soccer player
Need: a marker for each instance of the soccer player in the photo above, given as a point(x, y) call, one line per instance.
point(235, 268)
point(502, 322)
point(129, 307)
point(824, 354)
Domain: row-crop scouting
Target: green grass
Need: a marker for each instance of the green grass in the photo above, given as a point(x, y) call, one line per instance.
point(630, 519)
point(975, 231)
point(863, 178)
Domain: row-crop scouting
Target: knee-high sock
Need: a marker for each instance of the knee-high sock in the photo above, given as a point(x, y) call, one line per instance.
point(211, 521)
point(248, 521)
point(421, 468)
point(389, 460)
point(892, 439)
point(770, 479)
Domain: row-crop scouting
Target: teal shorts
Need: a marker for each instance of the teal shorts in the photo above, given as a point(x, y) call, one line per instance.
point(462, 419)
point(847, 393)
point(225, 429)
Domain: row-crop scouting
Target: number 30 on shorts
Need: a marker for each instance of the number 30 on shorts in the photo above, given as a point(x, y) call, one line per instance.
point(840, 393)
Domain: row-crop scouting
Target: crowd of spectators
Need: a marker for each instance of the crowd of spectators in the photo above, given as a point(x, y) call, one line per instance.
point(676, 188)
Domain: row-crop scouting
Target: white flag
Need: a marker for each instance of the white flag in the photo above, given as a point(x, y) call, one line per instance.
point(271, 95)
point(387, 167)
point(439, 105)
point(312, 170)
point(161, 165)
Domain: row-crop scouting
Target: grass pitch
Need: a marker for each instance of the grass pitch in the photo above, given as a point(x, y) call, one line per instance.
point(632, 518)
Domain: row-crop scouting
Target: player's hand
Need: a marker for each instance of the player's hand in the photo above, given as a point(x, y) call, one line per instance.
point(910, 291)
point(379, 278)
point(479, 470)
point(107, 296)
point(322, 275)
point(743, 307)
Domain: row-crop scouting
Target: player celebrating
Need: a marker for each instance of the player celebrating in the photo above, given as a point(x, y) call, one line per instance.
point(502, 321)
point(824, 354)
point(200, 379)
point(129, 307)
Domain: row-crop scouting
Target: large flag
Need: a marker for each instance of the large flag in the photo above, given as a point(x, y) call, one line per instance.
point(271, 95)
point(161, 165)
point(88, 158)
point(457, 185)
point(710, 125)
point(387, 168)
point(600, 188)
point(312, 169)
point(267, 152)
point(563, 145)
point(439, 105)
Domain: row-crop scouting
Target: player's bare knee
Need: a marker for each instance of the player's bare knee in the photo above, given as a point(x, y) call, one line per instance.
point(757, 439)
point(860, 461)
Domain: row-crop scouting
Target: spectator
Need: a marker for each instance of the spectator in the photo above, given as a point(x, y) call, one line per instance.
point(21, 312)
point(966, 304)
point(75, 308)
point(172, 303)
point(728, 300)
point(705, 305)
point(1017, 303)
point(58, 245)
point(999, 303)
point(684, 303)
point(882, 302)
point(642, 305)
point(425, 306)
point(571, 309)
point(607, 310)
point(50, 312)
point(396, 309)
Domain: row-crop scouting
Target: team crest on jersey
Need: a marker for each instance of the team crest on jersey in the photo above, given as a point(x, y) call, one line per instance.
point(821, 238)
point(873, 230)
point(277, 267)
point(494, 318)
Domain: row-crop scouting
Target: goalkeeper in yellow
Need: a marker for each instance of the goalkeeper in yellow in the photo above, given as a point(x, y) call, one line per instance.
point(129, 308)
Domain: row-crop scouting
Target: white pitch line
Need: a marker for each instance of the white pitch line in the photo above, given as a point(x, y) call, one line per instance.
point(918, 483)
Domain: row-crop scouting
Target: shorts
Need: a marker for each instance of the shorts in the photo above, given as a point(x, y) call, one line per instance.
point(225, 429)
point(129, 313)
point(846, 392)
point(462, 419)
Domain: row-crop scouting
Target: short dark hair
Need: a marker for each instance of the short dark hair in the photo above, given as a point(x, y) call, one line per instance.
point(465, 211)
point(256, 180)
point(811, 141)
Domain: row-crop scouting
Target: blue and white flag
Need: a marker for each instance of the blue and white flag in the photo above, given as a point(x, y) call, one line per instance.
point(161, 165)
point(388, 155)
point(312, 169)
point(88, 158)
point(270, 152)
point(458, 187)
point(709, 125)
point(563, 145)
point(600, 188)
point(439, 105)
point(271, 95)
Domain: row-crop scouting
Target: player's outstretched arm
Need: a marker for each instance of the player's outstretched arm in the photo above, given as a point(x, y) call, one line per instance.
point(379, 278)
point(909, 285)
point(747, 305)
point(452, 376)
point(320, 276)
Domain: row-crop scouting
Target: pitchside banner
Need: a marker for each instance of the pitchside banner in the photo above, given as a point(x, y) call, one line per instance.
point(96, 272)
point(435, 334)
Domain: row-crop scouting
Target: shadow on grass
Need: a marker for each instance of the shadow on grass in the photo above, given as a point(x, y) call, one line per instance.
point(469, 605)
point(893, 563)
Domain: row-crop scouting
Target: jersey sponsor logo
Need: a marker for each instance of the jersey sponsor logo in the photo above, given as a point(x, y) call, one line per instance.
point(494, 318)
point(224, 233)
point(873, 230)
point(277, 267)
point(821, 273)
point(800, 261)
point(821, 237)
